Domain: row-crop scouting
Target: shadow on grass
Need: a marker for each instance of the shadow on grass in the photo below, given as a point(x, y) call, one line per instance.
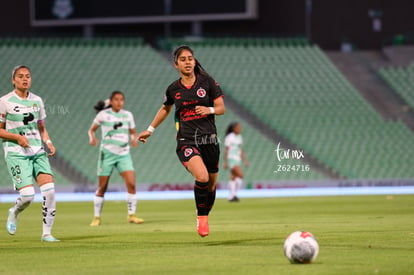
point(239, 241)
point(87, 237)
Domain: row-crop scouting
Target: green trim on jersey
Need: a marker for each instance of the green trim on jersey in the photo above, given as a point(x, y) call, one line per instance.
point(117, 131)
point(115, 142)
point(25, 102)
point(32, 142)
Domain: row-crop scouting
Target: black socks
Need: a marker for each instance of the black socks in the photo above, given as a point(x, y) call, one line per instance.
point(203, 198)
point(201, 195)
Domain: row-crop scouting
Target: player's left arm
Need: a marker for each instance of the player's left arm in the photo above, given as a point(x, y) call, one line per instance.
point(134, 137)
point(45, 137)
point(244, 158)
point(217, 109)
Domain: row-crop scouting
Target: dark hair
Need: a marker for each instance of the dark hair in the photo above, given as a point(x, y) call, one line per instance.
point(104, 104)
point(114, 93)
point(230, 128)
point(198, 69)
point(18, 67)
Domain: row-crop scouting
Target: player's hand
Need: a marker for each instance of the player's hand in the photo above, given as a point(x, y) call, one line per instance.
point(23, 141)
point(143, 136)
point(93, 141)
point(52, 149)
point(134, 142)
point(202, 110)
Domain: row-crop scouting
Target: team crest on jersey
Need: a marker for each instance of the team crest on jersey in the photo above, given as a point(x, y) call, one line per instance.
point(35, 108)
point(188, 152)
point(201, 92)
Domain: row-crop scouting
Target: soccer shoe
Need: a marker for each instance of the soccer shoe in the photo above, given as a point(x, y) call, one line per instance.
point(134, 219)
point(49, 239)
point(96, 221)
point(11, 222)
point(202, 226)
point(234, 199)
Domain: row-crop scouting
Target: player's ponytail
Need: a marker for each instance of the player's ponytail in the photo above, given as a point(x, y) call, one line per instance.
point(101, 105)
point(198, 67)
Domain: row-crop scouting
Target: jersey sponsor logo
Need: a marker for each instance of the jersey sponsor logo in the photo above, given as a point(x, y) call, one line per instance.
point(177, 95)
point(188, 152)
point(117, 125)
point(190, 114)
point(185, 103)
point(201, 92)
point(27, 117)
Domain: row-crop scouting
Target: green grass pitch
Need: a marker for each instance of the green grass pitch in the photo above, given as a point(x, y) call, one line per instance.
point(356, 235)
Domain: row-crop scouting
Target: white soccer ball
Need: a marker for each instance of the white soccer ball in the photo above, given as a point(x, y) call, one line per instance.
point(301, 247)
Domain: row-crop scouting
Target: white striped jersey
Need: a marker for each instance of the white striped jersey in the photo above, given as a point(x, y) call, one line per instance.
point(21, 116)
point(115, 128)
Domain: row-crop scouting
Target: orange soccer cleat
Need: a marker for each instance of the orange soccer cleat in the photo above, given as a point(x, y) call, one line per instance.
point(202, 226)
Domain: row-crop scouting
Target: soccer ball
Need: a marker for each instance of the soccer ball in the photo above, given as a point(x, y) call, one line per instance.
point(301, 247)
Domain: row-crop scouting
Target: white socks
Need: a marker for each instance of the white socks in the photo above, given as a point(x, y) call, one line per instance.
point(98, 203)
point(239, 182)
point(132, 203)
point(26, 197)
point(48, 207)
point(234, 186)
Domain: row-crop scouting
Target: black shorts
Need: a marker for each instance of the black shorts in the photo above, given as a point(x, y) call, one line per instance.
point(210, 153)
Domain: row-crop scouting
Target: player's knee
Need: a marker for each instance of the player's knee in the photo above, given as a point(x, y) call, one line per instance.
point(131, 188)
point(27, 195)
point(48, 190)
point(202, 178)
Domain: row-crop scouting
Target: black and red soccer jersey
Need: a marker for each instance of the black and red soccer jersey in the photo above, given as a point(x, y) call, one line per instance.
point(203, 93)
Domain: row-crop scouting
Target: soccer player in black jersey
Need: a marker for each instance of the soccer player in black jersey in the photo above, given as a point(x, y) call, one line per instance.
point(197, 99)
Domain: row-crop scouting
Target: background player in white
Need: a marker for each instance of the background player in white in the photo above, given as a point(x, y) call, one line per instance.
point(116, 126)
point(24, 134)
point(233, 155)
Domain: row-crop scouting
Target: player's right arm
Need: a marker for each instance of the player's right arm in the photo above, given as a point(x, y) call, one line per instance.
point(4, 134)
point(161, 115)
point(91, 132)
